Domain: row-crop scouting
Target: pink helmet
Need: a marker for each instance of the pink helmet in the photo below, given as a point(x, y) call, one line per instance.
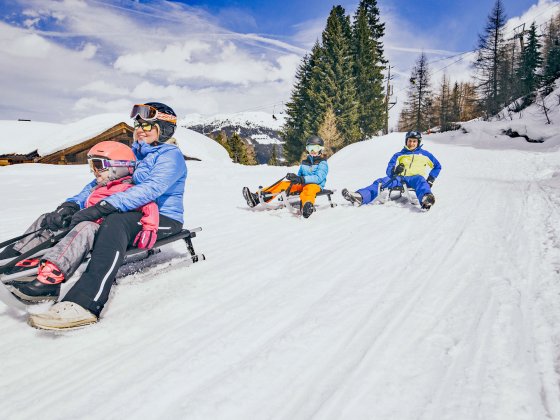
point(117, 158)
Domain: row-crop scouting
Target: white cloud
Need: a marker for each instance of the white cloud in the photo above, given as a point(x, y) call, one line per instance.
point(71, 57)
point(78, 56)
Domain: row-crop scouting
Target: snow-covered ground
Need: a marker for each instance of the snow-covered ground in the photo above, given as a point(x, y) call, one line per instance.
point(376, 312)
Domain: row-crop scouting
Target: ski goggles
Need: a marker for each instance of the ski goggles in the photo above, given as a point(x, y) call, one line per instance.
point(314, 148)
point(101, 164)
point(149, 113)
point(146, 126)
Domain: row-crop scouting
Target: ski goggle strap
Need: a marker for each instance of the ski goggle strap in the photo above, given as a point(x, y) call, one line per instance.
point(101, 164)
point(314, 148)
point(149, 113)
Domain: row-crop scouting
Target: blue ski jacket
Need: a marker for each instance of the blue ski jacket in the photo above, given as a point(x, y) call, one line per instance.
point(314, 170)
point(416, 162)
point(159, 176)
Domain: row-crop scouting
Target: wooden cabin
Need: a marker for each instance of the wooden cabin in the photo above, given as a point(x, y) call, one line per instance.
point(77, 154)
point(12, 159)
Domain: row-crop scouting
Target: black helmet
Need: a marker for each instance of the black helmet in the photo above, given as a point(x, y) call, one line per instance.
point(413, 135)
point(315, 140)
point(164, 117)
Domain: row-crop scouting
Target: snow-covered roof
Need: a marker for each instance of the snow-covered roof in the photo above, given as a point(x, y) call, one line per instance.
point(23, 137)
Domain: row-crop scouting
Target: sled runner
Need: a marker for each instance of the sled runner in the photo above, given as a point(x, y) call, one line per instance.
point(289, 200)
point(10, 271)
point(396, 193)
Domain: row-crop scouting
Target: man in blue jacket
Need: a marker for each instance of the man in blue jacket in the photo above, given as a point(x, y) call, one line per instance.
point(407, 166)
point(159, 177)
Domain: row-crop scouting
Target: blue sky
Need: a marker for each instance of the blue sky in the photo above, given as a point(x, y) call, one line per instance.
point(65, 59)
point(283, 18)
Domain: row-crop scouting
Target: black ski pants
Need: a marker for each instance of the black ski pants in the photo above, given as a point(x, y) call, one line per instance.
point(115, 235)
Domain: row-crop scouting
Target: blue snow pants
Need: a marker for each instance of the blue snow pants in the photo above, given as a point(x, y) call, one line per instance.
point(418, 182)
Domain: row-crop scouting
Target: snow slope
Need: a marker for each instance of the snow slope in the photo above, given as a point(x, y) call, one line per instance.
point(376, 312)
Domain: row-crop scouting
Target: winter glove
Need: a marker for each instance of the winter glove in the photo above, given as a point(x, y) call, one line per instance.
point(430, 181)
point(60, 217)
point(295, 179)
point(399, 169)
point(145, 239)
point(98, 211)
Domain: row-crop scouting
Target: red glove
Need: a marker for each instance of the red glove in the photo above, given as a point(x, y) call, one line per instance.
point(145, 239)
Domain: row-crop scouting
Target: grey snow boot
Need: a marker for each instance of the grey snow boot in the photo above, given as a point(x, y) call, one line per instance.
point(353, 197)
point(428, 201)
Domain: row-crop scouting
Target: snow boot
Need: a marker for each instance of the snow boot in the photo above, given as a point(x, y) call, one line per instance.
point(62, 315)
point(307, 210)
point(49, 273)
point(251, 198)
point(353, 197)
point(428, 201)
point(35, 291)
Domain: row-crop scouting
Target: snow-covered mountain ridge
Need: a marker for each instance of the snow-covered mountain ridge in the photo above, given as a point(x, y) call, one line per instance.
point(261, 129)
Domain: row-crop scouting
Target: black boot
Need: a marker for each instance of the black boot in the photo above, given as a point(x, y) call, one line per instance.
point(428, 201)
point(35, 291)
point(251, 198)
point(307, 210)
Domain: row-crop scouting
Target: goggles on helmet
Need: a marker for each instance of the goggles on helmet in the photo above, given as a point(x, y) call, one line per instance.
point(314, 148)
point(97, 164)
point(149, 113)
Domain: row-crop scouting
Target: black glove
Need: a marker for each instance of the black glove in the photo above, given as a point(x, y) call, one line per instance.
point(399, 169)
point(60, 217)
point(98, 211)
point(295, 179)
point(430, 181)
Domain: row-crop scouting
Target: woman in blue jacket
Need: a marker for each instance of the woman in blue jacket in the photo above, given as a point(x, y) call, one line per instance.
point(310, 179)
point(159, 176)
point(410, 165)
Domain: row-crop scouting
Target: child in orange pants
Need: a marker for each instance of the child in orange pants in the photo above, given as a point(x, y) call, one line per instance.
point(309, 180)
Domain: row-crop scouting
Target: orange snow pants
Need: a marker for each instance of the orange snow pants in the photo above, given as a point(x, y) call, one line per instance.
point(308, 191)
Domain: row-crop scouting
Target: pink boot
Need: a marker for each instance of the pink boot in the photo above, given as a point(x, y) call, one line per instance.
point(49, 273)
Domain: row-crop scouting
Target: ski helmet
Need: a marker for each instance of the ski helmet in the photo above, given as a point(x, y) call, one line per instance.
point(113, 156)
point(315, 140)
point(163, 116)
point(413, 135)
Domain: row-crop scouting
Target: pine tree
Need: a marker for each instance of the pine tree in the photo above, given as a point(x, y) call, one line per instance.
point(551, 50)
point(455, 104)
point(377, 29)
point(443, 106)
point(531, 61)
point(336, 68)
point(330, 134)
point(368, 67)
point(250, 154)
point(417, 111)
point(273, 161)
point(237, 148)
point(222, 139)
point(490, 59)
point(304, 110)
